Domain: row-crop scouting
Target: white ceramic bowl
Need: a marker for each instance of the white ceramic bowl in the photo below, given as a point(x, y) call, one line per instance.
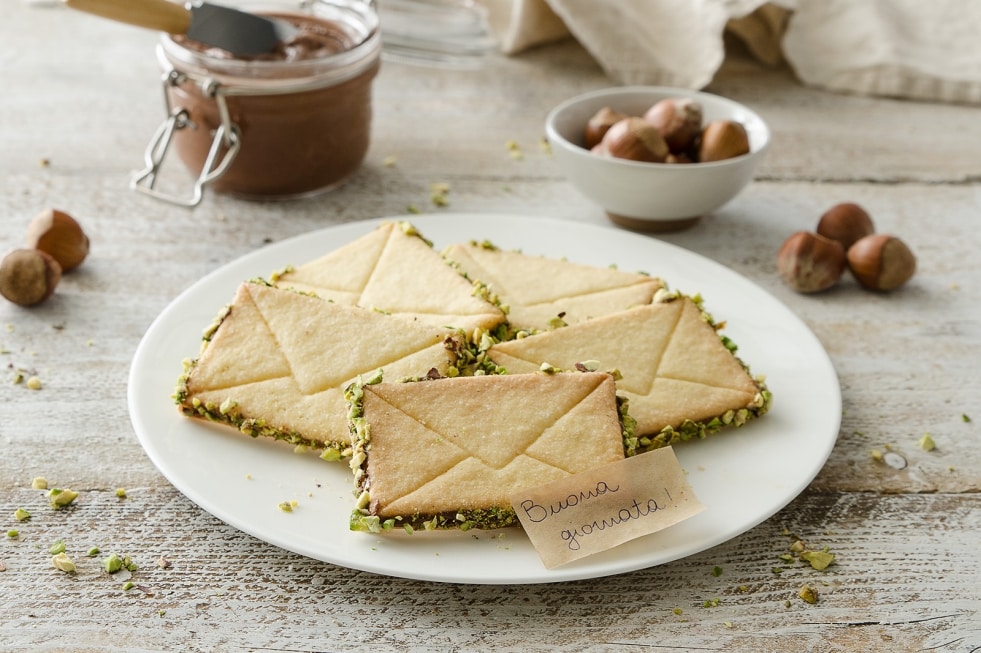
point(652, 196)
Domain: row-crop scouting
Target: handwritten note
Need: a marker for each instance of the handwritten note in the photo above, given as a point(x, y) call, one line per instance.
point(606, 506)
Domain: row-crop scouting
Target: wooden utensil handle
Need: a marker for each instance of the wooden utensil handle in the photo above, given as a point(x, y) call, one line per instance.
point(161, 15)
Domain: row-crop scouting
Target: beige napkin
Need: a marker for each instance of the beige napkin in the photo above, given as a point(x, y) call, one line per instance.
point(901, 48)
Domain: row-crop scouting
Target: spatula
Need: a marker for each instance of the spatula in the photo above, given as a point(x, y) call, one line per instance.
point(239, 32)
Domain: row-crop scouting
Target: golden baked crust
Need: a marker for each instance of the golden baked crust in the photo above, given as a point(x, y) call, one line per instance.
point(278, 361)
point(394, 270)
point(682, 380)
point(539, 290)
point(449, 452)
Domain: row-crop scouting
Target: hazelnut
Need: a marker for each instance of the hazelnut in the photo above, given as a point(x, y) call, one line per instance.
point(28, 276)
point(723, 139)
point(58, 234)
point(846, 223)
point(678, 119)
point(881, 262)
point(634, 139)
point(598, 125)
point(809, 262)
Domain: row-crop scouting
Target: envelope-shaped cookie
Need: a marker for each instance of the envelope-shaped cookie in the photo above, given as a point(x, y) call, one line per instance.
point(394, 270)
point(538, 290)
point(277, 362)
point(681, 378)
point(448, 453)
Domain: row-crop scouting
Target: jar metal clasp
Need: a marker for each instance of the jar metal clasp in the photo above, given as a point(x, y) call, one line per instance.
point(227, 137)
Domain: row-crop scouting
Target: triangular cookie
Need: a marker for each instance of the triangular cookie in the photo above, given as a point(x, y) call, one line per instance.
point(278, 362)
point(538, 289)
point(681, 379)
point(394, 270)
point(449, 452)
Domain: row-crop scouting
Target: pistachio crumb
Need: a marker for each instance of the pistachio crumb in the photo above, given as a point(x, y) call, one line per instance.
point(34, 383)
point(59, 498)
point(62, 562)
point(21, 515)
point(94, 551)
point(678, 611)
point(286, 506)
point(926, 443)
point(965, 418)
point(39, 483)
point(389, 161)
point(808, 594)
point(121, 492)
point(712, 603)
point(13, 533)
point(112, 564)
point(56, 548)
point(716, 571)
point(128, 585)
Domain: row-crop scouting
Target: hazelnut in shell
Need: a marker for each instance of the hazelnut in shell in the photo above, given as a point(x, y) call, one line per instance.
point(634, 139)
point(846, 223)
point(881, 262)
point(28, 276)
point(599, 124)
point(58, 234)
point(723, 139)
point(809, 262)
point(678, 119)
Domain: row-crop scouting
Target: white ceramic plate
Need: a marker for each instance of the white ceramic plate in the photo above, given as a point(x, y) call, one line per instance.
point(742, 476)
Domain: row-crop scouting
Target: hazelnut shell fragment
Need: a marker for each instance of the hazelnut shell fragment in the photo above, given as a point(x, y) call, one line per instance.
point(634, 139)
point(28, 276)
point(59, 235)
point(809, 262)
point(846, 223)
point(881, 262)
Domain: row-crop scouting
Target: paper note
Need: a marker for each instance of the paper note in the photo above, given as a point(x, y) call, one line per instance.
point(606, 506)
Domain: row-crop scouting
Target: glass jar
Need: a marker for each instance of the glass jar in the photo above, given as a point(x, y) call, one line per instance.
point(279, 126)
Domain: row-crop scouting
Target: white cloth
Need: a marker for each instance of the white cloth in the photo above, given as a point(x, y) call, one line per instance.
point(901, 48)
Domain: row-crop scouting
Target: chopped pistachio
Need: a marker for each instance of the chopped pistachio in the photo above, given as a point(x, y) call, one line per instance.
point(34, 383)
point(678, 611)
point(39, 483)
point(62, 562)
point(112, 564)
point(926, 443)
point(56, 548)
point(777, 570)
point(128, 585)
point(121, 492)
point(808, 594)
point(94, 551)
point(59, 498)
point(286, 506)
point(712, 603)
point(716, 571)
point(965, 418)
point(13, 533)
point(21, 515)
point(819, 559)
point(389, 161)
point(798, 546)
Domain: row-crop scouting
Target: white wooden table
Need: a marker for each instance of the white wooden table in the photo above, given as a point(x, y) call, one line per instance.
point(80, 99)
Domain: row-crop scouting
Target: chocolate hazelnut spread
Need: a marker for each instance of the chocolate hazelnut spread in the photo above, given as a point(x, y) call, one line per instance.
point(290, 123)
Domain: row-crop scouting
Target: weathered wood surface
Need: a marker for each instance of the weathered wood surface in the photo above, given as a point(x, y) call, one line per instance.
point(81, 95)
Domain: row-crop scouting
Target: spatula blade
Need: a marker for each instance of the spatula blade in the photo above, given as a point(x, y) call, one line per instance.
point(239, 32)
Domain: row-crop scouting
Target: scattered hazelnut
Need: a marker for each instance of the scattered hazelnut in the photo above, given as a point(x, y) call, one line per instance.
point(846, 223)
point(599, 124)
point(58, 234)
point(635, 139)
point(678, 119)
point(28, 276)
point(881, 262)
point(809, 262)
point(723, 139)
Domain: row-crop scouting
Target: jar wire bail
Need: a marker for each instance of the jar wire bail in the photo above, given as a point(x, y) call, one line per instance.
point(227, 137)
